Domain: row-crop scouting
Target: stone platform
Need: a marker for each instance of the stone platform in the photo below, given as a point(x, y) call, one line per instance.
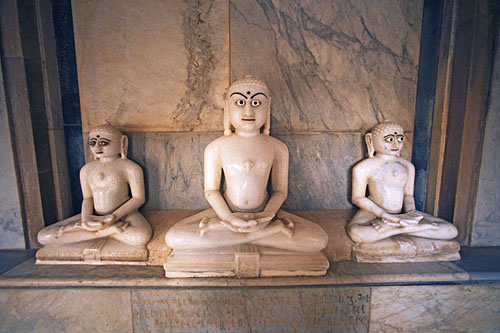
point(460, 296)
point(355, 297)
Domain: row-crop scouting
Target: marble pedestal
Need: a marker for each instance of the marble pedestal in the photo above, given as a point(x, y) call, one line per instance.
point(244, 261)
point(93, 252)
point(403, 248)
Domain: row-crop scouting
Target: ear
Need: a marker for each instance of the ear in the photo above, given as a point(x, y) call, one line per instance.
point(124, 146)
point(227, 120)
point(369, 144)
point(267, 125)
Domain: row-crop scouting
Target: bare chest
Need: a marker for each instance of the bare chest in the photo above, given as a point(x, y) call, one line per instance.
point(392, 174)
point(247, 161)
point(105, 179)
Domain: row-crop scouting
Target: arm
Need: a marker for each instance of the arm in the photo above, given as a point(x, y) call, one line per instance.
point(360, 175)
point(409, 199)
point(135, 179)
point(88, 200)
point(279, 179)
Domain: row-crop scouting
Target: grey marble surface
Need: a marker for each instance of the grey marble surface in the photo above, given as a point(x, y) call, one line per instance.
point(12, 258)
point(472, 308)
point(486, 220)
point(11, 224)
point(319, 171)
point(330, 65)
point(65, 310)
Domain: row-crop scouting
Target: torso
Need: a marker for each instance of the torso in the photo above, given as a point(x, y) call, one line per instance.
point(108, 184)
point(387, 182)
point(247, 164)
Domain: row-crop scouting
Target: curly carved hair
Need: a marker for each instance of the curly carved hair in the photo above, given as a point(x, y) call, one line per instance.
point(387, 125)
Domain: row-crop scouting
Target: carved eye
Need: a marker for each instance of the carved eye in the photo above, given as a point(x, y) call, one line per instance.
point(103, 143)
point(401, 138)
point(389, 139)
point(92, 143)
point(240, 102)
point(256, 102)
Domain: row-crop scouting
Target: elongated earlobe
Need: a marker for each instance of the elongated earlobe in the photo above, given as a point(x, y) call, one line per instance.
point(227, 120)
point(369, 144)
point(267, 125)
point(124, 147)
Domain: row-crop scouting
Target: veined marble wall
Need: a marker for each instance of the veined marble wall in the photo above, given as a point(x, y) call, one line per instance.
point(11, 224)
point(486, 219)
point(158, 70)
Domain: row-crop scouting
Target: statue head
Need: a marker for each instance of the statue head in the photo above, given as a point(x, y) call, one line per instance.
point(248, 106)
point(386, 138)
point(107, 141)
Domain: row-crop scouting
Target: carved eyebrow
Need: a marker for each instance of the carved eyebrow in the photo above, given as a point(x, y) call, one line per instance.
point(238, 93)
point(259, 93)
point(388, 135)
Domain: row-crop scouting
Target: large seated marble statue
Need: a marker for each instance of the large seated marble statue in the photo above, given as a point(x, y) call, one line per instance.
point(388, 228)
point(110, 227)
point(245, 221)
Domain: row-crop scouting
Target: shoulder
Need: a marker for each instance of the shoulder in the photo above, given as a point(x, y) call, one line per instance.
point(88, 166)
point(407, 164)
point(130, 167)
point(366, 163)
point(279, 146)
point(214, 145)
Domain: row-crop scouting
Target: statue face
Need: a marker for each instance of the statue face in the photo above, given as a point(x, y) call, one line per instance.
point(248, 107)
point(103, 144)
point(389, 141)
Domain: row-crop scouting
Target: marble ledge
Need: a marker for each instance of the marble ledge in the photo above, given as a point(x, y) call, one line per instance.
point(478, 265)
point(28, 274)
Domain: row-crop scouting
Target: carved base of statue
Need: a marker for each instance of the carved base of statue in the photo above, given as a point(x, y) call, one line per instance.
point(405, 247)
point(203, 247)
point(105, 250)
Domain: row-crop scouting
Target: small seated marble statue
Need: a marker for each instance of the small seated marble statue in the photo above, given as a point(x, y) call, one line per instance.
point(247, 158)
point(113, 191)
point(389, 208)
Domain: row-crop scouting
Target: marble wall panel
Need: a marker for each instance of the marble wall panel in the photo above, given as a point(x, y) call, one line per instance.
point(460, 308)
point(65, 310)
point(173, 168)
point(11, 224)
point(330, 65)
point(486, 220)
point(319, 172)
point(259, 310)
point(152, 65)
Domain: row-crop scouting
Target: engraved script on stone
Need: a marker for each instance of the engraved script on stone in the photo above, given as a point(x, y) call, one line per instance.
point(239, 310)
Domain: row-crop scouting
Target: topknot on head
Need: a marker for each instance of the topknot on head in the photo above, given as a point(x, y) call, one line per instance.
point(249, 79)
point(385, 126)
point(106, 128)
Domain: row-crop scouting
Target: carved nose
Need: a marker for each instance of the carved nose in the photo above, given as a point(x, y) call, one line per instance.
point(248, 111)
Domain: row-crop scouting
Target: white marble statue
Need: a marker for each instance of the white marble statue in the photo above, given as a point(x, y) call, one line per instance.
point(113, 191)
point(389, 207)
point(245, 213)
